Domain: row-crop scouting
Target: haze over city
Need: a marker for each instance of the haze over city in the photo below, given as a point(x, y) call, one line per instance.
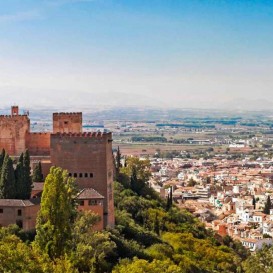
point(195, 54)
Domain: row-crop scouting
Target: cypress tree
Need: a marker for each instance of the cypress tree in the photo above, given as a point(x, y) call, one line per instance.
point(156, 225)
point(254, 202)
point(134, 180)
point(7, 180)
point(27, 175)
point(170, 198)
point(267, 206)
point(2, 157)
point(37, 173)
point(118, 160)
point(19, 177)
point(23, 178)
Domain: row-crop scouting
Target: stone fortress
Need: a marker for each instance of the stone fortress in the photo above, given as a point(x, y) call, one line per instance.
point(87, 156)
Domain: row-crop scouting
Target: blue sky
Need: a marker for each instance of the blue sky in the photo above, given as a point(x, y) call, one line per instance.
point(144, 52)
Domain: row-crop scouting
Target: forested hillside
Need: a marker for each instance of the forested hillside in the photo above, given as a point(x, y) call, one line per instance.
point(151, 234)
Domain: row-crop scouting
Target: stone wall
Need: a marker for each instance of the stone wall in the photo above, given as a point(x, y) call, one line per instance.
point(38, 144)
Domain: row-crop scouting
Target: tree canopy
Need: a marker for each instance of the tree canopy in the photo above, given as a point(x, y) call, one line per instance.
point(57, 213)
point(7, 179)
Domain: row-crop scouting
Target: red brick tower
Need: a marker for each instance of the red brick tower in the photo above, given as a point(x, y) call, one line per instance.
point(13, 132)
point(67, 123)
point(88, 158)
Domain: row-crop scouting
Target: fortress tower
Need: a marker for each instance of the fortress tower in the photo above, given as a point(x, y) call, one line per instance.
point(13, 131)
point(67, 123)
point(88, 158)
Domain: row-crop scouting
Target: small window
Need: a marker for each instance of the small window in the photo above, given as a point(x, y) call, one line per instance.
point(1, 210)
point(86, 175)
point(70, 174)
point(91, 174)
point(81, 202)
point(80, 174)
point(66, 122)
point(75, 175)
point(19, 212)
point(92, 202)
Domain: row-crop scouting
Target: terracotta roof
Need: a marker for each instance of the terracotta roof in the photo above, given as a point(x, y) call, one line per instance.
point(89, 193)
point(19, 203)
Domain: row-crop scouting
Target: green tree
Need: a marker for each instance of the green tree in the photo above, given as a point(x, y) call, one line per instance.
point(134, 182)
point(19, 178)
point(37, 173)
point(261, 261)
point(23, 177)
point(268, 206)
point(15, 256)
point(142, 168)
point(170, 198)
point(90, 248)
point(157, 225)
point(140, 266)
point(254, 202)
point(118, 160)
point(57, 214)
point(27, 175)
point(2, 157)
point(7, 180)
point(191, 183)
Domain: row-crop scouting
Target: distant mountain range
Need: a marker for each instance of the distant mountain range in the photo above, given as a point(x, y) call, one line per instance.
point(92, 101)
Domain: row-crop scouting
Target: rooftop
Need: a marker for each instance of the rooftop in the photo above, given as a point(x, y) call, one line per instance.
point(19, 203)
point(89, 193)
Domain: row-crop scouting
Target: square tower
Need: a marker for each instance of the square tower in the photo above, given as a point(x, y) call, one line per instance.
point(13, 132)
point(88, 158)
point(67, 123)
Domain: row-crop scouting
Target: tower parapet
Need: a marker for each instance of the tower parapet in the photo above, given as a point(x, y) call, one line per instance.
point(67, 122)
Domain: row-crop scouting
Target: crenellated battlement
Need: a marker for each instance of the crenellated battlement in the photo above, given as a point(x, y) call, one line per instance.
point(39, 133)
point(83, 135)
point(67, 114)
point(13, 117)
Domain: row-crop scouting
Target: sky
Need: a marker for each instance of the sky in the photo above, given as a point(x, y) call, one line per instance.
point(159, 53)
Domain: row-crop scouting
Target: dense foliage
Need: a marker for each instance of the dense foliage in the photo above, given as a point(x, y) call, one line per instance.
point(153, 235)
point(37, 175)
point(150, 235)
point(15, 184)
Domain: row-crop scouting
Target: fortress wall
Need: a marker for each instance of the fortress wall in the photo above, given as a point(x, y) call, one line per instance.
point(38, 143)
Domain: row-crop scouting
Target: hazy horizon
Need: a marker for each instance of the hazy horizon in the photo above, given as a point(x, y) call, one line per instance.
point(169, 54)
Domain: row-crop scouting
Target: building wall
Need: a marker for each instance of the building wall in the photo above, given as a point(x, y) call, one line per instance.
point(38, 143)
point(67, 123)
point(98, 209)
point(28, 216)
point(13, 133)
point(88, 158)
